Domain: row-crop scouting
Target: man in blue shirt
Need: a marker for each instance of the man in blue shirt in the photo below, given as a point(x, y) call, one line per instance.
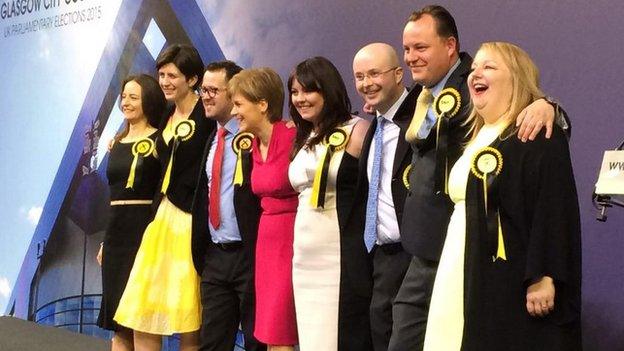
point(227, 213)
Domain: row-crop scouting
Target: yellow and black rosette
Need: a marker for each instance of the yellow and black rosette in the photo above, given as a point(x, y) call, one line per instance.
point(241, 144)
point(486, 164)
point(447, 103)
point(183, 131)
point(335, 141)
point(406, 175)
point(140, 149)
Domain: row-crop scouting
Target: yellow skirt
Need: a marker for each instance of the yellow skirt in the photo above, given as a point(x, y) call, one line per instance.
point(162, 294)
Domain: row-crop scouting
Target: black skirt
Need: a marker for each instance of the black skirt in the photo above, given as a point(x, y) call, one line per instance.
point(121, 242)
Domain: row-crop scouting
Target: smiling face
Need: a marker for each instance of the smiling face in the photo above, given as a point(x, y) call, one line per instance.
point(173, 83)
point(219, 106)
point(309, 104)
point(251, 116)
point(428, 55)
point(490, 85)
point(378, 79)
point(131, 101)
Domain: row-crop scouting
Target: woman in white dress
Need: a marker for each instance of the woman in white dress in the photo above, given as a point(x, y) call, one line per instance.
point(324, 172)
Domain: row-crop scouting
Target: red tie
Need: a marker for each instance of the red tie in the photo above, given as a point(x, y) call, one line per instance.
point(215, 181)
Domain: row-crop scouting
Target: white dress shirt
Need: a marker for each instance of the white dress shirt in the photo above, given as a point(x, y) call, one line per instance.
point(387, 223)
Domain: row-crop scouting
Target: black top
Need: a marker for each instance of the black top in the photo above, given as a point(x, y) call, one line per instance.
point(538, 205)
point(354, 261)
point(187, 158)
point(346, 186)
point(146, 175)
point(353, 311)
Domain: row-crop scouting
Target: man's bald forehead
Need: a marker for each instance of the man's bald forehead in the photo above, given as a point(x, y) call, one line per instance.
point(381, 52)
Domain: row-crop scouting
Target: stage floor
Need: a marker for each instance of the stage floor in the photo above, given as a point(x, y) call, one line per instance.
point(20, 335)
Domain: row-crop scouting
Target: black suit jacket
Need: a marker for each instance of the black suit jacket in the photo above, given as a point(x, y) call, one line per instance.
point(246, 206)
point(357, 271)
point(186, 162)
point(423, 231)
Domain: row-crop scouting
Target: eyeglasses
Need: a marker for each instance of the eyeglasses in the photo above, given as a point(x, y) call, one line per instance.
point(373, 74)
point(209, 91)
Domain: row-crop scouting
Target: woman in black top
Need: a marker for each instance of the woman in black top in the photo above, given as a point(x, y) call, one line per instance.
point(133, 173)
point(510, 272)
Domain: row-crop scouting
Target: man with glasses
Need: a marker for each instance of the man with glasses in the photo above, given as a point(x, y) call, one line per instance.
point(228, 214)
point(381, 193)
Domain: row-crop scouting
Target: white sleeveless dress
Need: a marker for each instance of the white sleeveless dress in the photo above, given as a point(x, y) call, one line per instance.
point(316, 258)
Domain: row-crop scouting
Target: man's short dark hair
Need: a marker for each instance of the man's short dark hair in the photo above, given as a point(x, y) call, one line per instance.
point(230, 68)
point(445, 23)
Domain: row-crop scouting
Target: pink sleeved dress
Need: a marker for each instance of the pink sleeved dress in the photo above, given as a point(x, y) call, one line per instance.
point(275, 309)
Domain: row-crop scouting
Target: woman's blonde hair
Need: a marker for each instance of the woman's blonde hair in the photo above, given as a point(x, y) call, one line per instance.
point(259, 84)
point(525, 82)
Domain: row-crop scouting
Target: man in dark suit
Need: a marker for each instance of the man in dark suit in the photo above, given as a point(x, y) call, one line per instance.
point(225, 215)
point(437, 134)
point(381, 189)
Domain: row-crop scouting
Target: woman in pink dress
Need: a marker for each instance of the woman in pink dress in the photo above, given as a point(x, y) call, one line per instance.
point(258, 97)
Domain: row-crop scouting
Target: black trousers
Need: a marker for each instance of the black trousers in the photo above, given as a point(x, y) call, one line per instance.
point(411, 306)
point(390, 263)
point(227, 293)
point(354, 331)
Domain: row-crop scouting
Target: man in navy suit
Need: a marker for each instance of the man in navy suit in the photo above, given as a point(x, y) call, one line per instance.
point(381, 189)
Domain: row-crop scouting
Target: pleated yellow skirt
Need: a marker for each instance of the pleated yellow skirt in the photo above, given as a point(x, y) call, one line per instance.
point(162, 295)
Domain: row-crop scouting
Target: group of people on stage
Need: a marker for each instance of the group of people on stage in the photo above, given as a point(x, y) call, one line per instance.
point(449, 221)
